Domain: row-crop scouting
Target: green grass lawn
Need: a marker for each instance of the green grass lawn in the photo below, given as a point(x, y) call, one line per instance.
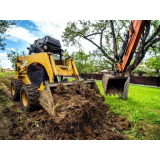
point(4, 74)
point(142, 109)
point(143, 103)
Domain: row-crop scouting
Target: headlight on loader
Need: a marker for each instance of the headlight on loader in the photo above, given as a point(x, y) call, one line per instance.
point(45, 47)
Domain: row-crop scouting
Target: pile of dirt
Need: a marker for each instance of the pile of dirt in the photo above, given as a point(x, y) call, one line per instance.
point(79, 113)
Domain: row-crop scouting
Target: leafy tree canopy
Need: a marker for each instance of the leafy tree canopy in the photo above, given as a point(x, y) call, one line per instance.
point(110, 37)
point(4, 26)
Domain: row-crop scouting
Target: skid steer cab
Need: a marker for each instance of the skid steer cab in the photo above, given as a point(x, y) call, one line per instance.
point(39, 73)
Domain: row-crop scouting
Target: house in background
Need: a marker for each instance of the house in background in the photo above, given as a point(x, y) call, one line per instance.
point(7, 69)
point(105, 71)
point(139, 73)
point(142, 70)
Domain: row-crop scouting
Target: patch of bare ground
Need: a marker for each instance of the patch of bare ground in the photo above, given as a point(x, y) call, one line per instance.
point(79, 114)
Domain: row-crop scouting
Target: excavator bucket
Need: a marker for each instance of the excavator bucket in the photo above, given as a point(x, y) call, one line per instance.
point(113, 85)
point(46, 98)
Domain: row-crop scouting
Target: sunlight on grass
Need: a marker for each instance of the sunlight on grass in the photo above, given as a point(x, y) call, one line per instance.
point(143, 103)
point(5, 74)
point(142, 109)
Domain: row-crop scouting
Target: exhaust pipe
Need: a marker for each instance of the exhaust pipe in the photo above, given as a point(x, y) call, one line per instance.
point(113, 85)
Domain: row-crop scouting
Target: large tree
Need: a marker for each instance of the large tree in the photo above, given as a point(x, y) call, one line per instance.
point(111, 36)
point(99, 60)
point(4, 26)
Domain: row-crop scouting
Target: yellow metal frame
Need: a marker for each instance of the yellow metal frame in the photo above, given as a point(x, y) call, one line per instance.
point(49, 64)
point(24, 98)
point(13, 89)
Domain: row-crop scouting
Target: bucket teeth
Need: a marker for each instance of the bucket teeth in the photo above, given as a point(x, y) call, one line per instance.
point(110, 94)
point(114, 93)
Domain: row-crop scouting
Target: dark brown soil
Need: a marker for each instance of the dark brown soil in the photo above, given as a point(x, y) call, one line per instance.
point(79, 113)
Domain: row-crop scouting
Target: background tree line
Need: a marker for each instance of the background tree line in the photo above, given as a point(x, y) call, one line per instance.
point(89, 63)
point(95, 62)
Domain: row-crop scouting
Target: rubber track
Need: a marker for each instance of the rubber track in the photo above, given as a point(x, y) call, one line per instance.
point(33, 94)
point(18, 84)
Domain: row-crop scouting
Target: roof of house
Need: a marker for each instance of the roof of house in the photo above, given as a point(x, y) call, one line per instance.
point(104, 70)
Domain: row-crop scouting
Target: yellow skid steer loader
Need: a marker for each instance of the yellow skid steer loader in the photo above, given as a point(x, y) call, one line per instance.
point(39, 73)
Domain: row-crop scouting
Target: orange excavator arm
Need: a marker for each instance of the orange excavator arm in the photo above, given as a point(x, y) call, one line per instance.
point(114, 84)
point(133, 37)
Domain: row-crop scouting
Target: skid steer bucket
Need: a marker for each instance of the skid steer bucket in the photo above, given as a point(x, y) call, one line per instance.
point(46, 98)
point(113, 85)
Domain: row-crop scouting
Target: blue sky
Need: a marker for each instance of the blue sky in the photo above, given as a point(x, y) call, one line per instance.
point(29, 30)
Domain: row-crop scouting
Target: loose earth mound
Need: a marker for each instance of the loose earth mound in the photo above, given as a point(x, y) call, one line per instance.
point(79, 113)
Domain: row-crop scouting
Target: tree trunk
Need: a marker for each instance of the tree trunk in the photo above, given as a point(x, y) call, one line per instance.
point(113, 66)
point(124, 96)
point(158, 72)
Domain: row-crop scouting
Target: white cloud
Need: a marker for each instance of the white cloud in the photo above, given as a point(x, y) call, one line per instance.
point(54, 28)
point(19, 33)
point(4, 62)
point(3, 56)
point(11, 49)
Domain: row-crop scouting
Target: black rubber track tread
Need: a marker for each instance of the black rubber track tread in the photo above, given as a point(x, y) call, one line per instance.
point(33, 97)
point(18, 83)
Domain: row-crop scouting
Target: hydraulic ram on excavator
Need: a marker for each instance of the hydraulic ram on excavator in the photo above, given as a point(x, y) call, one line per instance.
point(114, 84)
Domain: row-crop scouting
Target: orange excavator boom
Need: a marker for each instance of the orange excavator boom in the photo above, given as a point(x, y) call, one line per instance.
point(135, 32)
point(114, 84)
